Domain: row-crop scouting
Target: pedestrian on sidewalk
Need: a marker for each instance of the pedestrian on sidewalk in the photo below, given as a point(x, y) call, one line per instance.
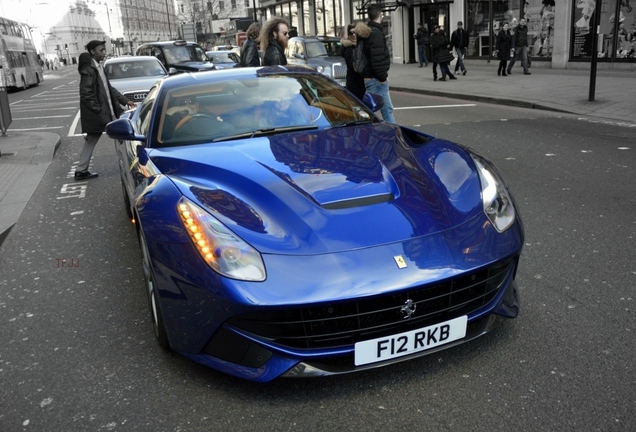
point(422, 41)
point(443, 57)
point(249, 51)
point(459, 41)
point(354, 81)
point(376, 74)
point(520, 47)
point(503, 48)
point(274, 38)
point(99, 103)
point(432, 39)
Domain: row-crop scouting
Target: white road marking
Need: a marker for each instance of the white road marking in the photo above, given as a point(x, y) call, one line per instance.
point(435, 106)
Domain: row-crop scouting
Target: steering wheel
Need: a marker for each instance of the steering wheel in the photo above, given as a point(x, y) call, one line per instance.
point(187, 119)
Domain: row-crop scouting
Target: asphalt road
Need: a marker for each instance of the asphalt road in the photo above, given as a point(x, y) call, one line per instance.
point(77, 351)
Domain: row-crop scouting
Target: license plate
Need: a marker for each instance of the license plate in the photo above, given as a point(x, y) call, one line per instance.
point(386, 348)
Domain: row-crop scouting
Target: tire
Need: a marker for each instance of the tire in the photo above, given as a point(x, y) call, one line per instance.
point(153, 296)
point(126, 199)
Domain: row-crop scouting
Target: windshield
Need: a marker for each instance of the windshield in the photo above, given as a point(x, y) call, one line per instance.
point(231, 108)
point(186, 53)
point(223, 57)
point(134, 68)
point(316, 49)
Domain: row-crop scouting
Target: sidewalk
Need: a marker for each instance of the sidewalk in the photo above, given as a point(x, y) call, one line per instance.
point(565, 90)
point(25, 156)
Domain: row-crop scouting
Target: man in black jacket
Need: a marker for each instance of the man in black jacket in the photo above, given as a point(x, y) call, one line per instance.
point(520, 45)
point(274, 38)
point(376, 74)
point(249, 51)
point(459, 41)
point(99, 103)
point(422, 40)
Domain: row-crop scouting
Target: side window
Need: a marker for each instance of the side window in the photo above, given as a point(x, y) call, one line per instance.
point(145, 111)
point(156, 52)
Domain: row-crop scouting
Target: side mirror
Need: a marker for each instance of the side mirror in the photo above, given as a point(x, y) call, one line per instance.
point(373, 101)
point(172, 71)
point(122, 129)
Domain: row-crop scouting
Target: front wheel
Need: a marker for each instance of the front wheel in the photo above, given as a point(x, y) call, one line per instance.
point(153, 296)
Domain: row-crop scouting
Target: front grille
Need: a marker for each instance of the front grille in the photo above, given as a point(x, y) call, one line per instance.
point(345, 323)
point(137, 96)
point(339, 71)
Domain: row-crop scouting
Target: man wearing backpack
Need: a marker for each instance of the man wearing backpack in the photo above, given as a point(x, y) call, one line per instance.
point(376, 77)
point(422, 40)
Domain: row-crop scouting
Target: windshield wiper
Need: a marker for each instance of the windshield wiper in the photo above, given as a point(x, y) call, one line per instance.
point(352, 123)
point(264, 132)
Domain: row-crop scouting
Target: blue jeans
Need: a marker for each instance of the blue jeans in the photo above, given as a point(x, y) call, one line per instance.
point(460, 59)
point(522, 53)
point(382, 89)
point(421, 50)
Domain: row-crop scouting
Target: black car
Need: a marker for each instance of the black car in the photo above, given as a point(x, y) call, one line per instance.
point(182, 55)
point(323, 53)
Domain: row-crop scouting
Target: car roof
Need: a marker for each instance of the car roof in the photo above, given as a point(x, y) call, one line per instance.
point(129, 59)
point(169, 43)
point(320, 38)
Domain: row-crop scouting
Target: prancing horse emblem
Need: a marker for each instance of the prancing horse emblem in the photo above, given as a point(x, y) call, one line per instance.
point(408, 309)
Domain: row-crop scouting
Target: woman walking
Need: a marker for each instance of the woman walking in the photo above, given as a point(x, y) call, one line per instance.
point(355, 80)
point(443, 56)
point(503, 47)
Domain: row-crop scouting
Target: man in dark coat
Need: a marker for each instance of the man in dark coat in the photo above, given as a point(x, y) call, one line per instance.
point(249, 51)
point(274, 37)
point(376, 74)
point(459, 41)
point(99, 103)
point(520, 46)
point(422, 40)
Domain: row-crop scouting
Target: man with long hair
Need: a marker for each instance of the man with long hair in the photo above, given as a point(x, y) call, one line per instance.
point(249, 51)
point(274, 37)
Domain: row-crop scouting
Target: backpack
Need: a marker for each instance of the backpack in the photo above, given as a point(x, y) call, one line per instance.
point(359, 59)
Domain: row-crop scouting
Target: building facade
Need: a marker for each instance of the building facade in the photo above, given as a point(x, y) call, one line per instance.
point(559, 30)
point(62, 28)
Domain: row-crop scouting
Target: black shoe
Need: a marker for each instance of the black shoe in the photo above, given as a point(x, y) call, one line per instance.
point(499, 72)
point(442, 79)
point(426, 65)
point(509, 73)
point(464, 73)
point(527, 73)
point(420, 65)
point(434, 78)
point(452, 77)
point(504, 74)
point(85, 175)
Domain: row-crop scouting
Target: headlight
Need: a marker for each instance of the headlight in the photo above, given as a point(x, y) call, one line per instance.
point(495, 197)
point(320, 69)
point(226, 253)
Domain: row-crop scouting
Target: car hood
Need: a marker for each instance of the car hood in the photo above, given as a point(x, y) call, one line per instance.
point(325, 61)
point(193, 66)
point(329, 190)
point(126, 85)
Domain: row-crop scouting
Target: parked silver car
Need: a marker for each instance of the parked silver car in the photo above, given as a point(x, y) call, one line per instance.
point(134, 76)
point(323, 53)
